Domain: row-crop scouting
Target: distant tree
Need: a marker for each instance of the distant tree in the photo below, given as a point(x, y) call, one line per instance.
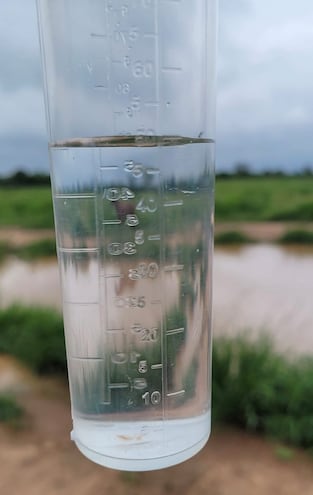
point(21, 178)
point(242, 169)
point(274, 173)
point(224, 175)
point(307, 171)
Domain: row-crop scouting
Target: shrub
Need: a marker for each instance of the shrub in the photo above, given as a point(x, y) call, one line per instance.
point(35, 336)
point(5, 249)
point(256, 389)
point(10, 411)
point(231, 237)
point(297, 237)
point(44, 247)
point(302, 211)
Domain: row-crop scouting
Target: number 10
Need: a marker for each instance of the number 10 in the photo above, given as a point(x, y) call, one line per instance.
point(154, 398)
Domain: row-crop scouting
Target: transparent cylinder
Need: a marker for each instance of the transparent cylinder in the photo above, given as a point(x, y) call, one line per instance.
point(130, 104)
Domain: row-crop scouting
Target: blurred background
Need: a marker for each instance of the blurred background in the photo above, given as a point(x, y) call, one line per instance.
point(263, 313)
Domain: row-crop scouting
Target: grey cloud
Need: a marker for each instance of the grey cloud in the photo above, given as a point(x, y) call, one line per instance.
point(19, 49)
point(231, 8)
point(265, 100)
point(287, 148)
point(18, 69)
point(23, 151)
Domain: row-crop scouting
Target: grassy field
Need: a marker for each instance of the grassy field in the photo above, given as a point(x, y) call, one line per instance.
point(265, 199)
point(26, 207)
point(237, 199)
point(254, 388)
point(44, 248)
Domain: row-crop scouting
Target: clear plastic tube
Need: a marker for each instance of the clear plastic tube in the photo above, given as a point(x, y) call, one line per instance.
point(130, 101)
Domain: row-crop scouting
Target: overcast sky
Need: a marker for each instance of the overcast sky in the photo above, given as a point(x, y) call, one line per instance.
point(265, 85)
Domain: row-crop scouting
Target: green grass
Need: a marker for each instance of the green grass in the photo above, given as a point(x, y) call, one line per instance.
point(237, 199)
point(254, 388)
point(231, 237)
point(38, 249)
point(284, 453)
point(35, 336)
point(26, 207)
point(264, 198)
point(10, 411)
point(5, 250)
point(129, 477)
point(297, 237)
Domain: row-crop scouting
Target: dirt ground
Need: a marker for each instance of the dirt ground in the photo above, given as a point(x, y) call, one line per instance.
point(21, 237)
point(257, 231)
point(262, 231)
point(40, 459)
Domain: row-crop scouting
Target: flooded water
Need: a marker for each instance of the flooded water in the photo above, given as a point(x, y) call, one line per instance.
point(265, 288)
point(30, 283)
point(256, 289)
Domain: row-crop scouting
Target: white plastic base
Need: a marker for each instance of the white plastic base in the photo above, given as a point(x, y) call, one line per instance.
point(143, 446)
